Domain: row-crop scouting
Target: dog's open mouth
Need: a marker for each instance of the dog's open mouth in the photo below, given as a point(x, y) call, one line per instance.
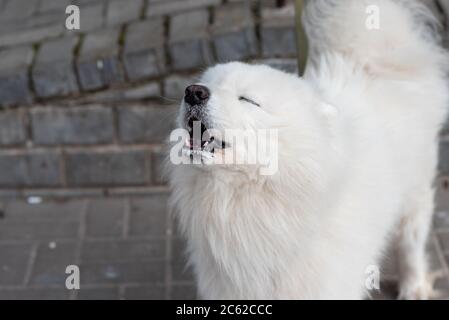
point(201, 142)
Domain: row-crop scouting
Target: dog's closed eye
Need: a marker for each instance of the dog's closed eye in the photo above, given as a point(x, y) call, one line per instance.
point(241, 98)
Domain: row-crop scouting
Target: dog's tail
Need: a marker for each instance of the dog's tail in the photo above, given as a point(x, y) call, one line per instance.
point(388, 37)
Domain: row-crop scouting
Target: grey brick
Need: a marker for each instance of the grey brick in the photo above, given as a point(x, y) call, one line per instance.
point(53, 71)
point(52, 5)
point(233, 33)
point(92, 17)
point(151, 124)
point(278, 32)
point(18, 8)
point(148, 292)
point(444, 158)
point(35, 294)
point(123, 250)
point(22, 211)
point(158, 162)
point(80, 125)
point(141, 92)
point(148, 216)
point(181, 271)
point(98, 65)
point(98, 294)
point(189, 46)
point(14, 87)
point(144, 52)
point(14, 263)
point(120, 11)
point(51, 263)
point(155, 8)
point(105, 218)
point(175, 85)
point(12, 128)
point(122, 272)
point(183, 292)
point(34, 22)
point(106, 168)
point(37, 169)
point(32, 35)
point(38, 230)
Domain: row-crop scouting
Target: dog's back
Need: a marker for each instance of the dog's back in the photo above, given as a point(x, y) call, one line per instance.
point(390, 51)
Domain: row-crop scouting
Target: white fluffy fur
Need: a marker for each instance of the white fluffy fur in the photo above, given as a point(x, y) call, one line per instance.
point(357, 157)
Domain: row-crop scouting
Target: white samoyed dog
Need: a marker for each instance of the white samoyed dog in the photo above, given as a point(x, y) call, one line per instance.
point(355, 154)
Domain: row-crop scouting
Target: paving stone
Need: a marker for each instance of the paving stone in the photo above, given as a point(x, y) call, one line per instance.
point(189, 46)
point(123, 250)
point(158, 166)
point(98, 293)
point(22, 211)
point(106, 168)
point(52, 5)
point(51, 263)
point(14, 86)
point(18, 8)
point(122, 272)
point(120, 11)
point(153, 292)
point(35, 294)
point(175, 86)
point(148, 216)
point(443, 166)
point(98, 64)
point(234, 36)
point(151, 124)
point(105, 218)
point(38, 230)
point(12, 128)
point(37, 169)
point(14, 263)
point(75, 125)
point(181, 271)
point(278, 32)
point(183, 292)
point(33, 35)
point(33, 22)
point(141, 92)
point(155, 8)
point(92, 16)
point(53, 71)
point(144, 54)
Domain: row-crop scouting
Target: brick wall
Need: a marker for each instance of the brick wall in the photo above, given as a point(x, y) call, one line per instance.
point(86, 112)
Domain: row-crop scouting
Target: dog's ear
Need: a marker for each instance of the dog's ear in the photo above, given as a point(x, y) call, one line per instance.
point(329, 111)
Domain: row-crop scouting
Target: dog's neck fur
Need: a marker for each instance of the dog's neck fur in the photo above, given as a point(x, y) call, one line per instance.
point(227, 224)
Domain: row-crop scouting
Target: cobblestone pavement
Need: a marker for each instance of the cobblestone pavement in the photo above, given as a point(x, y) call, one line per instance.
point(85, 113)
point(128, 248)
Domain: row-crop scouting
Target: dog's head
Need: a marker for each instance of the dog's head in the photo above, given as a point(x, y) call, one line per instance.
point(246, 117)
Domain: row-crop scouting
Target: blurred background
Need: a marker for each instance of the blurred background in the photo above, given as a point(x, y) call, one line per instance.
point(83, 118)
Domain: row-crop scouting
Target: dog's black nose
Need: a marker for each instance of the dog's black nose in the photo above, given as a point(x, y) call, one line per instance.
point(196, 94)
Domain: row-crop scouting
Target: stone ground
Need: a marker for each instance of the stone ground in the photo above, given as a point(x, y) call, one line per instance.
point(80, 115)
point(128, 248)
